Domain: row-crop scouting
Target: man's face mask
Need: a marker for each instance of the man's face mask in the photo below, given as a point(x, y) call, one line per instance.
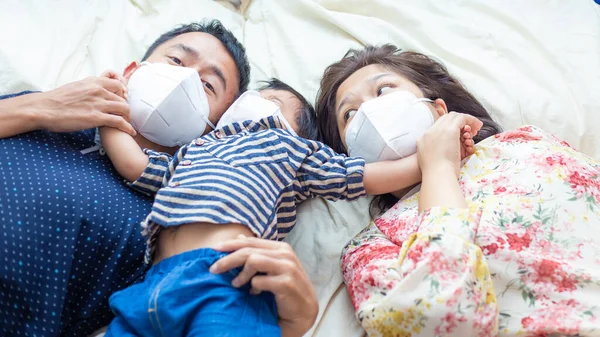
point(252, 106)
point(387, 127)
point(168, 104)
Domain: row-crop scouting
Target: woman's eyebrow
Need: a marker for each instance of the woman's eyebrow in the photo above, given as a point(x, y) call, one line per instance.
point(344, 101)
point(378, 76)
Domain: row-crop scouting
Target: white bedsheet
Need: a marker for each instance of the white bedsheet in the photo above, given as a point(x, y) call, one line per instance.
point(531, 62)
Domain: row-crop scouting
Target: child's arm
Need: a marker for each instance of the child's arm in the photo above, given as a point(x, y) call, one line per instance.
point(334, 176)
point(125, 154)
point(391, 175)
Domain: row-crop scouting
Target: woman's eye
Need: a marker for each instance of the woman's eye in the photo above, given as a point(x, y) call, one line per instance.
point(383, 89)
point(209, 87)
point(349, 114)
point(176, 61)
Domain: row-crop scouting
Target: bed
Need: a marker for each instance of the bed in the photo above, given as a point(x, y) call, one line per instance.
point(530, 62)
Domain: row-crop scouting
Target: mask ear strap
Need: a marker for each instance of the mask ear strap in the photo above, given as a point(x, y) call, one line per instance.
point(210, 123)
point(428, 100)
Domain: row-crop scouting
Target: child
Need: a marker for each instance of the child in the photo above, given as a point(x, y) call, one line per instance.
point(243, 178)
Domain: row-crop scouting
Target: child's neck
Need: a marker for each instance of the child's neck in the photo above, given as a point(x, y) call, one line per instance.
point(146, 144)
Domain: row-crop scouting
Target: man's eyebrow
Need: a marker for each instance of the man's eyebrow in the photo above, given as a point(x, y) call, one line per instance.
point(187, 49)
point(217, 71)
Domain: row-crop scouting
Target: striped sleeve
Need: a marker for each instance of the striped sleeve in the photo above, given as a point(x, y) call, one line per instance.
point(332, 176)
point(158, 172)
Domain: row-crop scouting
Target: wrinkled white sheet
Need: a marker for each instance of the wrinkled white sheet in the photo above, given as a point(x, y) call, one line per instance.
point(531, 62)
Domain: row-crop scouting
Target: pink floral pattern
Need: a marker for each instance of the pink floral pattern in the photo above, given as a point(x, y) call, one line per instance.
point(522, 260)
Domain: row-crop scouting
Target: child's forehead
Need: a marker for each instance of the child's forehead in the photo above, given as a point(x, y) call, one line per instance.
point(283, 96)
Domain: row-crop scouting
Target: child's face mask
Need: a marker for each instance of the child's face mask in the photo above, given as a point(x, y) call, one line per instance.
point(168, 104)
point(252, 106)
point(387, 127)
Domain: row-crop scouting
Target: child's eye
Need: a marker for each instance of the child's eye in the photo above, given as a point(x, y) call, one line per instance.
point(384, 88)
point(349, 114)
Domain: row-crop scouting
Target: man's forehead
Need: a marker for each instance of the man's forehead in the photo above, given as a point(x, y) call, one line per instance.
point(203, 43)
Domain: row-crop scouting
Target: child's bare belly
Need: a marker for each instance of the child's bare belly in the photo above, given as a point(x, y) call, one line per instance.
point(180, 239)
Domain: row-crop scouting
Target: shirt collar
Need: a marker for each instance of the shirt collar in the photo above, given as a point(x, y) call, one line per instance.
point(271, 122)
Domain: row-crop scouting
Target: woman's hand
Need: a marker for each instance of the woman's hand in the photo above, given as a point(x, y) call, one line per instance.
point(447, 142)
point(280, 273)
point(439, 155)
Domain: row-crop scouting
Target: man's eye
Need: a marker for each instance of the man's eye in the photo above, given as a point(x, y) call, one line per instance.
point(209, 87)
point(383, 89)
point(349, 114)
point(176, 60)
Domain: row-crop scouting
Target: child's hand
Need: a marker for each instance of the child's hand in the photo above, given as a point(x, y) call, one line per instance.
point(122, 92)
point(466, 141)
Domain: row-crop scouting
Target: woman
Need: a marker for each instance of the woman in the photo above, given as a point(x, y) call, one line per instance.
point(507, 249)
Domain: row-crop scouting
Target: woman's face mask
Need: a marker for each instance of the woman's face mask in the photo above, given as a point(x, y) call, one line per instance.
point(168, 104)
point(387, 127)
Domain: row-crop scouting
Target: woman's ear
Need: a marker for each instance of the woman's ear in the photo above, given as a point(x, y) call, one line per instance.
point(440, 107)
point(130, 69)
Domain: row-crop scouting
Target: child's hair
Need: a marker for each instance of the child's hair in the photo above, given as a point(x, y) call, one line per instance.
point(307, 118)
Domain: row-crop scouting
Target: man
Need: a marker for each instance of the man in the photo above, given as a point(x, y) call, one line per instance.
point(70, 226)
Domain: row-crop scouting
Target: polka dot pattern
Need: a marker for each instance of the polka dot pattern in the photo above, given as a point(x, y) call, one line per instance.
point(69, 238)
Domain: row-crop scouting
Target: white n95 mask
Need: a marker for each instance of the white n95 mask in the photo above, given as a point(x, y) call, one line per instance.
point(252, 106)
point(168, 104)
point(388, 127)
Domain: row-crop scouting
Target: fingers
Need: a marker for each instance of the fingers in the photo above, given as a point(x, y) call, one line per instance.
point(115, 76)
point(261, 264)
point(244, 241)
point(275, 284)
point(472, 122)
point(114, 86)
point(117, 122)
point(241, 256)
point(115, 108)
point(461, 121)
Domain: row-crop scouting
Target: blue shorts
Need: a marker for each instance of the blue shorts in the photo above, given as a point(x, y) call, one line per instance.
point(180, 297)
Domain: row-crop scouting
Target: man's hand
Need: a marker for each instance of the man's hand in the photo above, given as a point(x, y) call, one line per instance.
point(85, 104)
point(281, 273)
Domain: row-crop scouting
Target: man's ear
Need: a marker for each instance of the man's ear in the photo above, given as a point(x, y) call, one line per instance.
point(440, 107)
point(130, 69)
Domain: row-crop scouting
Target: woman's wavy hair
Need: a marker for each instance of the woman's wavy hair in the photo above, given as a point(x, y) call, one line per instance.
point(428, 74)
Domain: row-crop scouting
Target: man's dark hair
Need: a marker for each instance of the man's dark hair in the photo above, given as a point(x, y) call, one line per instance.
point(307, 118)
point(216, 29)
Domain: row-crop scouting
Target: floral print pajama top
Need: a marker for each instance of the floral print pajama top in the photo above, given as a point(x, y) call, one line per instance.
point(522, 260)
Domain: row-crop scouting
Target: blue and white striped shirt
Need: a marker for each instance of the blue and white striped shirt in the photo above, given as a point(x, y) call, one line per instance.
point(252, 173)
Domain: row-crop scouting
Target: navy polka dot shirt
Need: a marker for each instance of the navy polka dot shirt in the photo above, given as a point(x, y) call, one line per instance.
point(69, 234)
